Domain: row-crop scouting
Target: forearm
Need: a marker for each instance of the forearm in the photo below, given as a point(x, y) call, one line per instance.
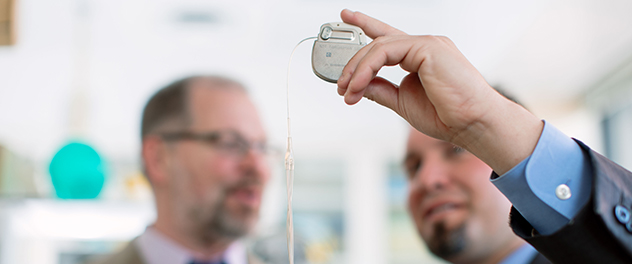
point(502, 138)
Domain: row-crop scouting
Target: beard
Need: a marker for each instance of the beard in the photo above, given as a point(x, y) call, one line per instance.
point(214, 221)
point(446, 243)
point(228, 225)
point(207, 215)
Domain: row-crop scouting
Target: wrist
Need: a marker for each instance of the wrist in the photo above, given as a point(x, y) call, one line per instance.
point(505, 136)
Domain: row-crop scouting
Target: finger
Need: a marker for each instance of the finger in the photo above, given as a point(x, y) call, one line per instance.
point(383, 92)
point(350, 74)
point(382, 53)
point(341, 91)
point(350, 67)
point(374, 28)
point(371, 26)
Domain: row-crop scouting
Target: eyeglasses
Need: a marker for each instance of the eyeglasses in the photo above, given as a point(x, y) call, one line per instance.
point(228, 142)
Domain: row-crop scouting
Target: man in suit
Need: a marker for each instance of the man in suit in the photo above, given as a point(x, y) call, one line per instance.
point(203, 151)
point(570, 203)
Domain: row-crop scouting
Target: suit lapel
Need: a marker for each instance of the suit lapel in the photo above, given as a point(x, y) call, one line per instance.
point(129, 255)
point(539, 259)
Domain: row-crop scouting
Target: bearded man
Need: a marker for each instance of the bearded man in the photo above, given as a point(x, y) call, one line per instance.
point(203, 151)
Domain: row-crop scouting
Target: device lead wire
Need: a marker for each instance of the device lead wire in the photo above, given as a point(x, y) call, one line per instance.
point(289, 164)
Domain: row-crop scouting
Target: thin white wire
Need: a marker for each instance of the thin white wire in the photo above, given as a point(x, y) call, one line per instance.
point(289, 165)
point(287, 82)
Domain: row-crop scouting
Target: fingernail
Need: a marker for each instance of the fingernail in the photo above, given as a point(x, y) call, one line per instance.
point(342, 78)
point(349, 99)
point(341, 91)
point(349, 84)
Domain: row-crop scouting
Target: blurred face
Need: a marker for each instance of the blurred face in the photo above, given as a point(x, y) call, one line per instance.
point(216, 184)
point(458, 212)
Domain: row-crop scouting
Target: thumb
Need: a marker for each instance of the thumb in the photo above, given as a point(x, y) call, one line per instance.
point(383, 92)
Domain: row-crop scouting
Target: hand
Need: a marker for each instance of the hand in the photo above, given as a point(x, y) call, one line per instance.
point(444, 96)
point(440, 95)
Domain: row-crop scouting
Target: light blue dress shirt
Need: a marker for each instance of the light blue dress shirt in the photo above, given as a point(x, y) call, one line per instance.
point(531, 185)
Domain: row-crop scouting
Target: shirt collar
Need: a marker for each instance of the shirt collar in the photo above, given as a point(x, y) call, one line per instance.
point(157, 248)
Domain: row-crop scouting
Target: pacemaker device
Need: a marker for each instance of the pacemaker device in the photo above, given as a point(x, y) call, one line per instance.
point(336, 44)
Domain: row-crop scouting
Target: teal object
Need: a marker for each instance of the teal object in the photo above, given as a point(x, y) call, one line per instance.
point(77, 172)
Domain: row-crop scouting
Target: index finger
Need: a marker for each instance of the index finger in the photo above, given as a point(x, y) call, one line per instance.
point(371, 26)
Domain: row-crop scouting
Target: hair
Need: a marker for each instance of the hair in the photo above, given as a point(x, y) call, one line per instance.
point(170, 105)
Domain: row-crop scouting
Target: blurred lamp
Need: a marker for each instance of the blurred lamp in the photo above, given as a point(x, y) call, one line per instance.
point(77, 172)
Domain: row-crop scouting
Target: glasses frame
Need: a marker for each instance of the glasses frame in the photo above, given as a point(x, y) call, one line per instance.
point(238, 146)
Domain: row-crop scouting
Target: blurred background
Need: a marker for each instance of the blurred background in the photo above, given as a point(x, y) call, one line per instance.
point(75, 74)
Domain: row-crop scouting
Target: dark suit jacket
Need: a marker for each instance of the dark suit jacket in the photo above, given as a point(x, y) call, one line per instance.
point(540, 259)
point(129, 255)
point(594, 235)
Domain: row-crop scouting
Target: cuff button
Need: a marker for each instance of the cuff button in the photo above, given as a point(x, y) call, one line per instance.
point(622, 214)
point(563, 192)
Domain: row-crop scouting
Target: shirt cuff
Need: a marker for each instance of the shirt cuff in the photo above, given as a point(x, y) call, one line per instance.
point(531, 185)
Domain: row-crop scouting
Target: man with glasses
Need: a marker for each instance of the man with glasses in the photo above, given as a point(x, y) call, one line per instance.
point(203, 151)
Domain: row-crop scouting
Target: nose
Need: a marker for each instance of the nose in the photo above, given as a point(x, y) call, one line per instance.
point(433, 175)
point(255, 164)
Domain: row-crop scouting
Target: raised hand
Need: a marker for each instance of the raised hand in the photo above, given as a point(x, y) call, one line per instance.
point(444, 96)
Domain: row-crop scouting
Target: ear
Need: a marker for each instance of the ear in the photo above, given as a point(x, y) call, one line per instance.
point(154, 153)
